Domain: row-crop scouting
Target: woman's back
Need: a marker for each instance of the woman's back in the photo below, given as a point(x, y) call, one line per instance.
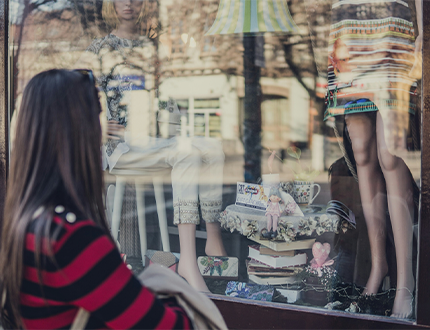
point(88, 272)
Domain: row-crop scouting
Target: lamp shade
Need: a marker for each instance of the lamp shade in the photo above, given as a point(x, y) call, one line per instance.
point(252, 16)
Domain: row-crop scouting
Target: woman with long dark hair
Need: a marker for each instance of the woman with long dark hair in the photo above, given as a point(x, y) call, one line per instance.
point(57, 255)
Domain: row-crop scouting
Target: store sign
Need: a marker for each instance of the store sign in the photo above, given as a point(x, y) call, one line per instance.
point(251, 195)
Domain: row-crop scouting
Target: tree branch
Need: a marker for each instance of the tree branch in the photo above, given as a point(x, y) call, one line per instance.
point(296, 72)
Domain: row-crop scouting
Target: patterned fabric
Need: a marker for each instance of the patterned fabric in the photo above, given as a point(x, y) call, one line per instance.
point(225, 267)
point(371, 52)
point(186, 212)
point(124, 65)
point(129, 228)
point(211, 210)
point(88, 272)
point(166, 259)
point(249, 291)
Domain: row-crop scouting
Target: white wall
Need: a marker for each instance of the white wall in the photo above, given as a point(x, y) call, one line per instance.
point(213, 86)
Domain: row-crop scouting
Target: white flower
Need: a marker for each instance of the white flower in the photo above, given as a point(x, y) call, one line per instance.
point(320, 230)
point(248, 227)
point(324, 217)
point(312, 223)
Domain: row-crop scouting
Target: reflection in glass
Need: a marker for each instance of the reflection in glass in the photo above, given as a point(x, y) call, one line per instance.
point(371, 55)
point(124, 60)
point(173, 92)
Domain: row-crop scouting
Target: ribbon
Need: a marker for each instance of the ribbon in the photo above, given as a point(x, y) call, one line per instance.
point(318, 267)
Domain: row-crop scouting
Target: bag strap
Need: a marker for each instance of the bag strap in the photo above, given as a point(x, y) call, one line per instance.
point(80, 320)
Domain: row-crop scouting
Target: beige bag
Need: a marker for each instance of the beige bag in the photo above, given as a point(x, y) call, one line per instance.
point(199, 308)
point(165, 284)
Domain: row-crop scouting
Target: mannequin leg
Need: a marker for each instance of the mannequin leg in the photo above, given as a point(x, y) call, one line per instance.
point(214, 244)
point(187, 267)
point(400, 204)
point(362, 132)
point(210, 191)
point(186, 162)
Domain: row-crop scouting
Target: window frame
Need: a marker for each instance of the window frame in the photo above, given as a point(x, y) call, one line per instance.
point(260, 315)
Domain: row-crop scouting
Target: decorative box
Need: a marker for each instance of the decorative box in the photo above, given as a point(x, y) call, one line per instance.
point(167, 259)
point(220, 267)
point(249, 291)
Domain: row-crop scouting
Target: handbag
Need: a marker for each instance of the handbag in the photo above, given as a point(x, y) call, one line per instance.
point(226, 268)
point(164, 283)
point(166, 259)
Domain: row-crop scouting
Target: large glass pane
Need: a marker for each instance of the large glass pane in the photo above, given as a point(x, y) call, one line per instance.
point(282, 137)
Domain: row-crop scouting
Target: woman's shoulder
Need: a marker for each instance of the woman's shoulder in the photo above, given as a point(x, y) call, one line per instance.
point(65, 236)
point(64, 223)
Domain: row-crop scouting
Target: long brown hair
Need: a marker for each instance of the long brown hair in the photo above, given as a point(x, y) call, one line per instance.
point(56, 159)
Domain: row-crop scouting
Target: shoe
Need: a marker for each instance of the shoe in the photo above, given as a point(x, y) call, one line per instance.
point(273, 234)
point(265, 233)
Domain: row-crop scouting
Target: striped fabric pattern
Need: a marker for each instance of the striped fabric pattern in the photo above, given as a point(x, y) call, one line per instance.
point(88, 272)
point(379, 38)
point(252, 16)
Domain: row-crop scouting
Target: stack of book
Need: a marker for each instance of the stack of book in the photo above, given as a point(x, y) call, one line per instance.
point(277, 263)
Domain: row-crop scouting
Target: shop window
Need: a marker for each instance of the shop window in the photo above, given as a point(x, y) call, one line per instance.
point(286, 131)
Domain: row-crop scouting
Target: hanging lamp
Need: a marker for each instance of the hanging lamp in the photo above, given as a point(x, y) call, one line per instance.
point(253, 16)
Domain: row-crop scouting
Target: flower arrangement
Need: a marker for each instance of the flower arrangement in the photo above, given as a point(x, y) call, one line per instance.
point(319, 276)
point(249, 228)
point(300, 173)
point(230, 223)
point(328, 279)
point(286, 232)
point(319, 225)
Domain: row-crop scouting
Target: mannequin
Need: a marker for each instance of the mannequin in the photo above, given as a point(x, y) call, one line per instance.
point(356, 91)
point(197, 164)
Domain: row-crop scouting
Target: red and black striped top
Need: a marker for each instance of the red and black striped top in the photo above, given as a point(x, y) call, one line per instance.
point(88, 272)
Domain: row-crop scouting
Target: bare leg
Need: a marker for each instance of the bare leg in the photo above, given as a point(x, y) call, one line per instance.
point(362, 131)
point(214, 245)
point(400, 204)
point(186, 162)
point(187, 263)
point(210, 192)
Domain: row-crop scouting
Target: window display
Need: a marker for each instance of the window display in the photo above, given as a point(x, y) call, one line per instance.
point(291, 128)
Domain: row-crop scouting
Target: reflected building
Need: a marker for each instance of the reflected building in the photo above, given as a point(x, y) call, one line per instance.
point(202, 73)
